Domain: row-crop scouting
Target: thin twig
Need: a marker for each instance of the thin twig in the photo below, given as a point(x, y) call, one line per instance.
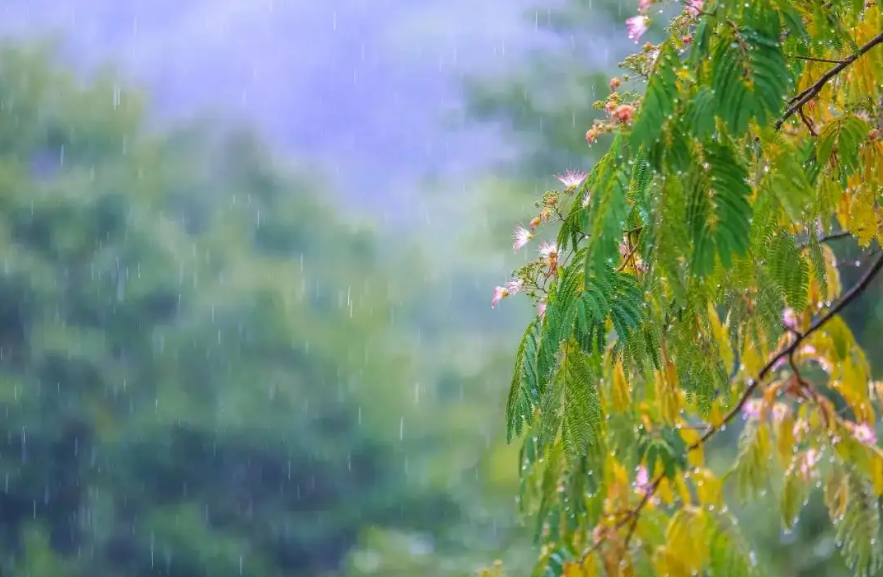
point(828, 238)
point(807, 123)
point(814, 59)
point(805, 96)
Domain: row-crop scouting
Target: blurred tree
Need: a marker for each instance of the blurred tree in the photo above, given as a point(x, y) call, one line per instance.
point(197, 366)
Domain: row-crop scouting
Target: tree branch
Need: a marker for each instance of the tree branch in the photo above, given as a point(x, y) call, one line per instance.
point(844, 301)
point(631, 518)
point(805, 96)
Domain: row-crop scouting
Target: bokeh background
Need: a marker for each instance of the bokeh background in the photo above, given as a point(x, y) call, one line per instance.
point(247, 249)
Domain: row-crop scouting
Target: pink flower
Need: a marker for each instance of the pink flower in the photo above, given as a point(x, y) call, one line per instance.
point(789, 319)
point(499, 294)
point(637, 25)
point(865, 434)
point(614, 83)
point(521, 237)
point(535, 222)
point(641, 266)
point(624, 113)
point(694, 7)
point(751, 409)
point(571, 178)
point(644, 5)
point(592, 135)
point(549, 250)
point(541, 308)
point(549, 253)
point(623, 249)
point(642, 479)
point(512, 287)
point(808, 461)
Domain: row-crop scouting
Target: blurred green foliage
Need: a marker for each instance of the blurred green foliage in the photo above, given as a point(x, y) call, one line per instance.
point(204, 370)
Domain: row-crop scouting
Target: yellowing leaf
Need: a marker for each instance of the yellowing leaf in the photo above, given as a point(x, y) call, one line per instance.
point(784, 430)
point(863, 219)
point(622, 397)
point(709, 489)
point(686, 540)
point(667, 394)
point(722, 336)
point(877, 472)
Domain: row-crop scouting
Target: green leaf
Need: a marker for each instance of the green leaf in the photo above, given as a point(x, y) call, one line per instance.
point(524, 385)
point(789, 270)
point(659, 98)
point(858, 532)
point(732, 211)
point(750, 76)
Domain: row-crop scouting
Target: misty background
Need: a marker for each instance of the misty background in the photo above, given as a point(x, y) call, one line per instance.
point(248, 250)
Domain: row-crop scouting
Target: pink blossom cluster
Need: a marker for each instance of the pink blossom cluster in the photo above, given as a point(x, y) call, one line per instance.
point(548, 251)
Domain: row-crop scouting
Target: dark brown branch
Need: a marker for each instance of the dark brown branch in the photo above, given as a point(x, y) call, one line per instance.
point(844, 301)
point(630, 518)
point(805, 96)
point(828, 238)
point(814, 59)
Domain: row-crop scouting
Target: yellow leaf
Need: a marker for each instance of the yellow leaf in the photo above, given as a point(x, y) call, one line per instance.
point(836, 494)
point(691, 436)
point(709, 489)
point(622, 398)
point(686, 541)
point(877, 472)
point(863, 220)
point(722, 336)
point(573, 570)
point(854, 386)
point(832, 273)
point(666, 390)
point(751, 359)
point(683, 490)
point(784, 430)
point(665, 493)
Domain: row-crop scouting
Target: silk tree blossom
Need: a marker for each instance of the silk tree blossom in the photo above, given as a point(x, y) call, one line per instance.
point(548, 250)
point(624, 113)
point(789, 319)
point(864, 434)
point(541, 308)
point(520, 238)
point(751, 409)
point(694, 7)
point(571, 178)
point(644, 5)
point(637, 25)
point(808, 461)
point(642, 480)
point(549, 253)
point(592, 135)
point(615, 83)
point(512, 287)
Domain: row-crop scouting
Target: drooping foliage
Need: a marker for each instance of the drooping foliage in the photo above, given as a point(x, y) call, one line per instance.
point(692, 289)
